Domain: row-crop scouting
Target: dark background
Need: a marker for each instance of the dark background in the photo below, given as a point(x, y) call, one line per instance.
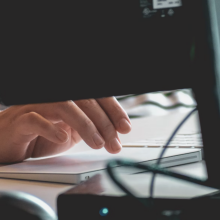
point(55, 51)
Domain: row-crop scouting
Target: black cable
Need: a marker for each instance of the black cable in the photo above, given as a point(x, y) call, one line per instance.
point(152, 168)
point(165, 148)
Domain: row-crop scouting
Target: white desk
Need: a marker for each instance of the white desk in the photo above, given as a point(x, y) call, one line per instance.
point(164, 187)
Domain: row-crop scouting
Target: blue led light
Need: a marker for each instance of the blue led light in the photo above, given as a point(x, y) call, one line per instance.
point(103, 211)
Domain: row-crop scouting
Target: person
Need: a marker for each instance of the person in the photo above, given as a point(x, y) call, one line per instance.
point(38, 130)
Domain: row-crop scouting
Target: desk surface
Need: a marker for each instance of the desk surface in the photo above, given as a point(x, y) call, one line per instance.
point(165, 187)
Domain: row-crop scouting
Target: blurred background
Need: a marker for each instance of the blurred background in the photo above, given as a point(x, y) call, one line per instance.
point(158, 103)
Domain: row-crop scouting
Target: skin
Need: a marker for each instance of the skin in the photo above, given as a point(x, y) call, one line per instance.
point(38, 130)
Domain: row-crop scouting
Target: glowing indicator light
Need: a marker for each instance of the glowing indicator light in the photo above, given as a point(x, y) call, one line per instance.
point(103, 212)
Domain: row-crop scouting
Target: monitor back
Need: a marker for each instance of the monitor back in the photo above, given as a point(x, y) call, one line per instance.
point(57, 51)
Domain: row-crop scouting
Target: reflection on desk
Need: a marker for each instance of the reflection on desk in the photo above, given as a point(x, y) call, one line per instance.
point(165, 187)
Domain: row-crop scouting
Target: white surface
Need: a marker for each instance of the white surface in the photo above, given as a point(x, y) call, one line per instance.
point(164, 186)
point(88, 161)
point(161, 127)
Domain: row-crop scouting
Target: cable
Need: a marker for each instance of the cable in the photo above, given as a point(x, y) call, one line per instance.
point(165, 148)
point(152, 168)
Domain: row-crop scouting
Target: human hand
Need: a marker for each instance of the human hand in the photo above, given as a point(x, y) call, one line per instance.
point(38, 130)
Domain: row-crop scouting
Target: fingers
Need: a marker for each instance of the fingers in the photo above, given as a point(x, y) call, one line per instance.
point(102, 122)
point(32, 124)
point(72, 115)
point(95, 121)
point(116, 114)
point(44, 147)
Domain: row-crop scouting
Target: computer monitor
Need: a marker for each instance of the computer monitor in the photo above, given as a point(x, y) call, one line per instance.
point(88, 49)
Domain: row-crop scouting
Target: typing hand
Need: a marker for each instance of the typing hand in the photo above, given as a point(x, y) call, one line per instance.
point(38, 130)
